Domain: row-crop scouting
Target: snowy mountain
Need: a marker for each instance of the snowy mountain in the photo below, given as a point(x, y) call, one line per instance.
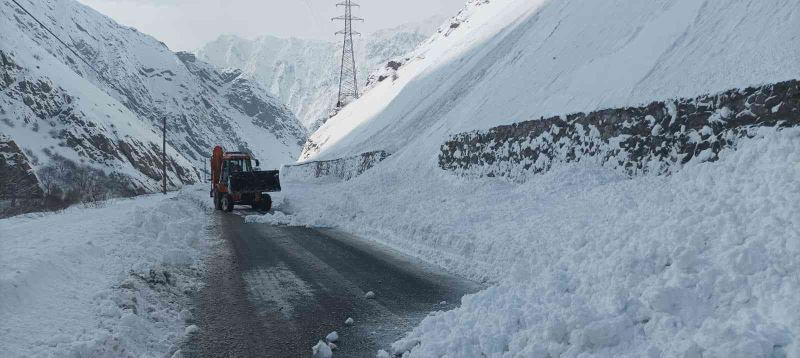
point(68, 119)
point(304, 73)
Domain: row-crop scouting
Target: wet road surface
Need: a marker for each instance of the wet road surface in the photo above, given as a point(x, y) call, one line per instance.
point(275, 291)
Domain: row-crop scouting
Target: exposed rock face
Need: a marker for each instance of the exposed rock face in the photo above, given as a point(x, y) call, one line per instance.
point(55, 115)
point(657, 138)
point(337, 169)
point(17, 180)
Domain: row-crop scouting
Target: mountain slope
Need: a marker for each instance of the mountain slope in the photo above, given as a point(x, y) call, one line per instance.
point(304, 73)
point(507, 61)
point(63, 114)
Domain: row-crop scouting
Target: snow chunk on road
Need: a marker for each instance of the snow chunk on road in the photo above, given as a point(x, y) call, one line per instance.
point(369, 295)
point(192, 329)
point(349, 321)
point(274, 218)
point(321, 350)
point(332, 337)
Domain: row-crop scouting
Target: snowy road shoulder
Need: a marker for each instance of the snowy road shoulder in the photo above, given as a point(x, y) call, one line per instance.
point(107, 281)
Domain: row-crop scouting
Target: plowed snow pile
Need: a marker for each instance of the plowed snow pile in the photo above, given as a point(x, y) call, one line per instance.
point(110, 281)
point(588, 261)
point(584, 261)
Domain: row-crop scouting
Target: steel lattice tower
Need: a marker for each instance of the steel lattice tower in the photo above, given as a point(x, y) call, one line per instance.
point(348, 84)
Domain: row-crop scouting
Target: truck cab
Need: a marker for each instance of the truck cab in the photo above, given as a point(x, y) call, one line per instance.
point(235, 163)
point(236, 181)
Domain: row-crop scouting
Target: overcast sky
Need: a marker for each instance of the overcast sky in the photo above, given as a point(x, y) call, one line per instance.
point(188, 24)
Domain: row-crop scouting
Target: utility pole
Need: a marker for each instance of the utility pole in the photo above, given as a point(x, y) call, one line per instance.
point(164, 153)
point(348, 84)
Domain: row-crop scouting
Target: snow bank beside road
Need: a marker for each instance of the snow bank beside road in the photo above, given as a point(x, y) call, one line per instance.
point(108, 281)
point(588, 261)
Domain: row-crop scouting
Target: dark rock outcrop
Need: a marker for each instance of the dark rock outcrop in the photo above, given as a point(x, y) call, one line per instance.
point(17, 179)
point(657, 138)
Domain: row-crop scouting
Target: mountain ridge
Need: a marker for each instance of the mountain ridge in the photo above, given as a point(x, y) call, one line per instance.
point(303, 73)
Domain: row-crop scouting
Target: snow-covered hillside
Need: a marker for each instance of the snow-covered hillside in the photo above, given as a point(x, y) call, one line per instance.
point(508, 61)
point(62, 114)
point(584, 261)
point(304, 73)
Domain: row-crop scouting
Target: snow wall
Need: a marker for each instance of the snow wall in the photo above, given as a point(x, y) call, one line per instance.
point(338, 169)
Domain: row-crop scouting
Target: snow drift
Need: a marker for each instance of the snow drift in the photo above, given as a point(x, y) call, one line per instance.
point(586, 261)
point(107, 281)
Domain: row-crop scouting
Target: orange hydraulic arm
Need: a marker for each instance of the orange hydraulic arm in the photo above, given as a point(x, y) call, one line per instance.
point(216, 166)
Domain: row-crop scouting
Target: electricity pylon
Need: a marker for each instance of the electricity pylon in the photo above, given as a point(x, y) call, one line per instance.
point(348, 84)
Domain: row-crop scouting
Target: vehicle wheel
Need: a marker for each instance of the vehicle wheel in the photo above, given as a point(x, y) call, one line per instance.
point(227, 202)
point(266, 203)
point(217, 201)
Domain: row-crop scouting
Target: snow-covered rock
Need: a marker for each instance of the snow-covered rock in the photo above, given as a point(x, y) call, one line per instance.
point(321, 350)
point(191, 329)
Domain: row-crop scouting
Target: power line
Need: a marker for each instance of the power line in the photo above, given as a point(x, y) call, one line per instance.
point(348, 83)
point(61, 41)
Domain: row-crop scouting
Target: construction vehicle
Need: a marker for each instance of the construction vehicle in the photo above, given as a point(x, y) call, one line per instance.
point(235, 181)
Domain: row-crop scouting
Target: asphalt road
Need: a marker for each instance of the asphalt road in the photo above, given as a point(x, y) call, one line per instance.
point(275, 291)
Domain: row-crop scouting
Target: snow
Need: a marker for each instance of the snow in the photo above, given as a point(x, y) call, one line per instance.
point(332, 337)
point(321, 350)
point(104, 281)
point(349, 321)
point(583, 261)
point(304, 73)
point(116, 120)
point(515, 60)
point(192, 329)
point(369, 295)
point(587, 261)
point(273, 218)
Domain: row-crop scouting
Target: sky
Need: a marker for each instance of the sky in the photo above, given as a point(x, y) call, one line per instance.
point(189, 24)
